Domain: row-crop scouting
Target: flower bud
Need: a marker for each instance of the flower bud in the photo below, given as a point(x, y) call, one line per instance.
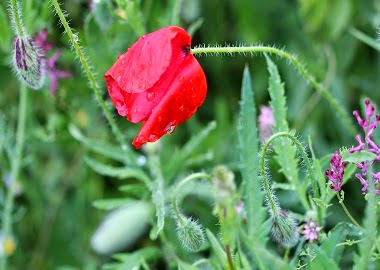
point(190, 233)
point(122, 227)
point(285, 230)
point(224, 184)
point(28, 62)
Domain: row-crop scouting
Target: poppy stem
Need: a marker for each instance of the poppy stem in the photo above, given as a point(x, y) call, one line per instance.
point(91, 78)
point(16, 18)
point(186, 180)
point(292, 59)
point(16, 165)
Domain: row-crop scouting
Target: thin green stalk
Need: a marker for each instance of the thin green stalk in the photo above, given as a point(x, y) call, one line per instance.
point(16, 165)
point(291, 58)
point(229, 257)
point(16, 18)
point(267, 188)
point(91, 78)
point(186, 180)
point(348, 212)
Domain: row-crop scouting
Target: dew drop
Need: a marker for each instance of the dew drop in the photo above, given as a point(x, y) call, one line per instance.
point(75, 37)
point(159, 118)
point(170, 129)
point(180, 78)
point(182, 108)
point(150, 95)
point(135, 110)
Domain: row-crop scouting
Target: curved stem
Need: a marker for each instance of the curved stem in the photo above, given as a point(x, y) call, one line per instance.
point(16, 17)
point(267, 188)
point(91, 78)
point(186, 180)
point(16, 165)
point(348, 212)
point(291, 58)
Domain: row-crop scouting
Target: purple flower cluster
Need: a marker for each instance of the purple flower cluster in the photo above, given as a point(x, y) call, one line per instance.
point(336, 173)
point(368, 143)
point(40, 38)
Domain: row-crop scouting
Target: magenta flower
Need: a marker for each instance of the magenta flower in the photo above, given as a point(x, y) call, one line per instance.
point(310, 231)
point(336, 173)
point(368, 144)
point(40, 38)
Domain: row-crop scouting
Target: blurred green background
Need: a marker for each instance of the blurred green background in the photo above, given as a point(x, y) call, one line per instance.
point(54, 216)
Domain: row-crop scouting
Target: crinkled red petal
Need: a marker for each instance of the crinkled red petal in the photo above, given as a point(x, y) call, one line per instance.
point(157, 82)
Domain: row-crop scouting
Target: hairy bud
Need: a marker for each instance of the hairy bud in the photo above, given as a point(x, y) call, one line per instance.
point(28, 62)
point(190, 233)
point(285, 230)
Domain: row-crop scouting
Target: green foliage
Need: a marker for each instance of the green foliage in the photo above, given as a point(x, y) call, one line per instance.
point(75, 167)
point(248, 144)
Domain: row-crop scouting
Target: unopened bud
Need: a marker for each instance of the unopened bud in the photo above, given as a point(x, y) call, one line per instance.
point(285, 230)
point(190, 234)
point(122, 227)
point(224, 184)
point(28, 62)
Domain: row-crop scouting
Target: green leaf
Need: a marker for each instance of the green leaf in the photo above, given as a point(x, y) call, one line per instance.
point(329, 254)
point(268, 260)
point(109, 204)
point(248, 146)
point(285, 151)
point(358, 157)
point(101, 147)
point(134, 260)
point(135, 190)
point(157, 189)
point(218, 250)
point(121, 173)
point(179, 158)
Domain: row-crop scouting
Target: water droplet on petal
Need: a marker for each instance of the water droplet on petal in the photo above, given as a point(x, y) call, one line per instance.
point(170, 129)
point(159, 118)
point(135, 110)
point(182, 108)
point(121, 108)
point(180, 78)
point(150, 95)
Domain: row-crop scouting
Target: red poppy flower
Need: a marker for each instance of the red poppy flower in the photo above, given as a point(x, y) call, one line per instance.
point(157, 82)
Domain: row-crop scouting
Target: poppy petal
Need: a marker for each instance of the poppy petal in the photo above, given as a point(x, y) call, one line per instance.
point(157, 82)
point(185, 94)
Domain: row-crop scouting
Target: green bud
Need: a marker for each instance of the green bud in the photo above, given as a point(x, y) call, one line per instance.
point(122, 227)
point(224, 184)
point(284, 230)
point(190, 233)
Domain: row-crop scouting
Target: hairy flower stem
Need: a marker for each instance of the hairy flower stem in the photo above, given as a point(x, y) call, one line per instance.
point(16, 18)
point(186, 180)
point(16, 165)
point(229, 257)
point(299, 189)
point(341, 202)
point(291, 58)
point(91, 78)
